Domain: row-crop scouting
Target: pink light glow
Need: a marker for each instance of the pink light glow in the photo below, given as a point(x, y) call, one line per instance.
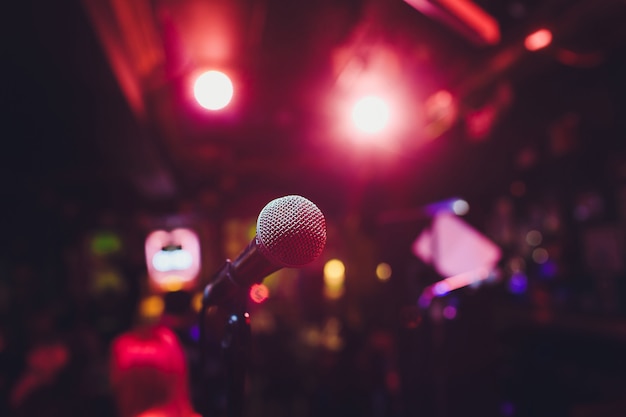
point(454, 247)
point(538, 40)
point(463, 280)
point(172, 272)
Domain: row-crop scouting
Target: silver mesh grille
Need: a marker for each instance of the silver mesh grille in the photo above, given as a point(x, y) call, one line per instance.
point(291, 231)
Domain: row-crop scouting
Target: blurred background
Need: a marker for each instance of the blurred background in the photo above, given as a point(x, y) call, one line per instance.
point(469, 158)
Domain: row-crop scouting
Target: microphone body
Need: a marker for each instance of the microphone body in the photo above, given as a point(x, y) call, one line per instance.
point(291, 232)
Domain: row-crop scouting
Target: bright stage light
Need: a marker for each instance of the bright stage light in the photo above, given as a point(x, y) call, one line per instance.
point(538, 40)
point(334, 273)
point(370, 114)
point(460, 207)
point(213, 90)
point(334, 278)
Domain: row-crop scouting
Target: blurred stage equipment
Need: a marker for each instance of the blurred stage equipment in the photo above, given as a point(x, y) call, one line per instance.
point(173, 259)
point(291, 232)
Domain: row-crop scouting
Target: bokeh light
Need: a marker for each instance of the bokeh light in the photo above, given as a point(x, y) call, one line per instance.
point(334, 273)
point(196, 301)
point(151, 307)
point(449, 312)
point(540, 255)
point(518, 283)
point(371, 114)
point(383, 271)
point(534, 238)
point(171, 283)
point(460, 207)
point(538, 40)
point(213, 90)
point(259, 293)
point(334, 277)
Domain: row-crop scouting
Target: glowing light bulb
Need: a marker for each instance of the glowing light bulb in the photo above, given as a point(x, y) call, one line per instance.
point(213, 90)
point(370, 114)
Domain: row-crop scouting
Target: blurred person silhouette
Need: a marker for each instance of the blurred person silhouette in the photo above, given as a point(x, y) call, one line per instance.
point(149, 375)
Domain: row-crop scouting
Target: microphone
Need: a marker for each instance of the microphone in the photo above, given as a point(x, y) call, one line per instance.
point(290, 232)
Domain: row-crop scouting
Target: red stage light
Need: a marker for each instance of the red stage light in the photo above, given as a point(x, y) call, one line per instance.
point(538, 40)
point(213, 90)
point(259, 293)
point(464, 16)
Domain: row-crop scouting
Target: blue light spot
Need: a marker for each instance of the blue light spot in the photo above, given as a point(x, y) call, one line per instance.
point(518, 283)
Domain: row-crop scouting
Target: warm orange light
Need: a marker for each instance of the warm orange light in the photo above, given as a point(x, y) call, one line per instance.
point(370, 114)
point(213, 90)
point(538, 40)
point(383, 271)
point(196, 301)
point(334, 278)
point(151, 307)
point(334, 273)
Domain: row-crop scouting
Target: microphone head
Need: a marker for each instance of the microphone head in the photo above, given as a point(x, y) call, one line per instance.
point(291, 231)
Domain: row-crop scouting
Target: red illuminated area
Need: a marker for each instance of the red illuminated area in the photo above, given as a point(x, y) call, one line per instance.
point(259, 293)
point(464, 16)
point(537, 40)
point(148, 374)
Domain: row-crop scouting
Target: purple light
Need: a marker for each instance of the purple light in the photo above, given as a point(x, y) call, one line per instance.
point(507, 409)
point(194, 332)
point(518, 283)
point(449, 312)
point(441, 288)
point(548, 269)
point(424, 300)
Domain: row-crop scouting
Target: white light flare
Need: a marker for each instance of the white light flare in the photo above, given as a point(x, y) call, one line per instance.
point(213, 90)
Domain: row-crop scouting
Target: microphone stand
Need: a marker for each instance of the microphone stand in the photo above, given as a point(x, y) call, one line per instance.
point(235, 344)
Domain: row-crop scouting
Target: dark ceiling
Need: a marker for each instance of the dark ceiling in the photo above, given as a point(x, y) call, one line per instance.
point(74, 129)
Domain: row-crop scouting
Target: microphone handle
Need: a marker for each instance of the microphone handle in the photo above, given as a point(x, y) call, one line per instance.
point(250, 267)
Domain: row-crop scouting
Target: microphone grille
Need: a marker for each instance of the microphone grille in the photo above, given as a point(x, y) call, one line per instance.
point(291, 231)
